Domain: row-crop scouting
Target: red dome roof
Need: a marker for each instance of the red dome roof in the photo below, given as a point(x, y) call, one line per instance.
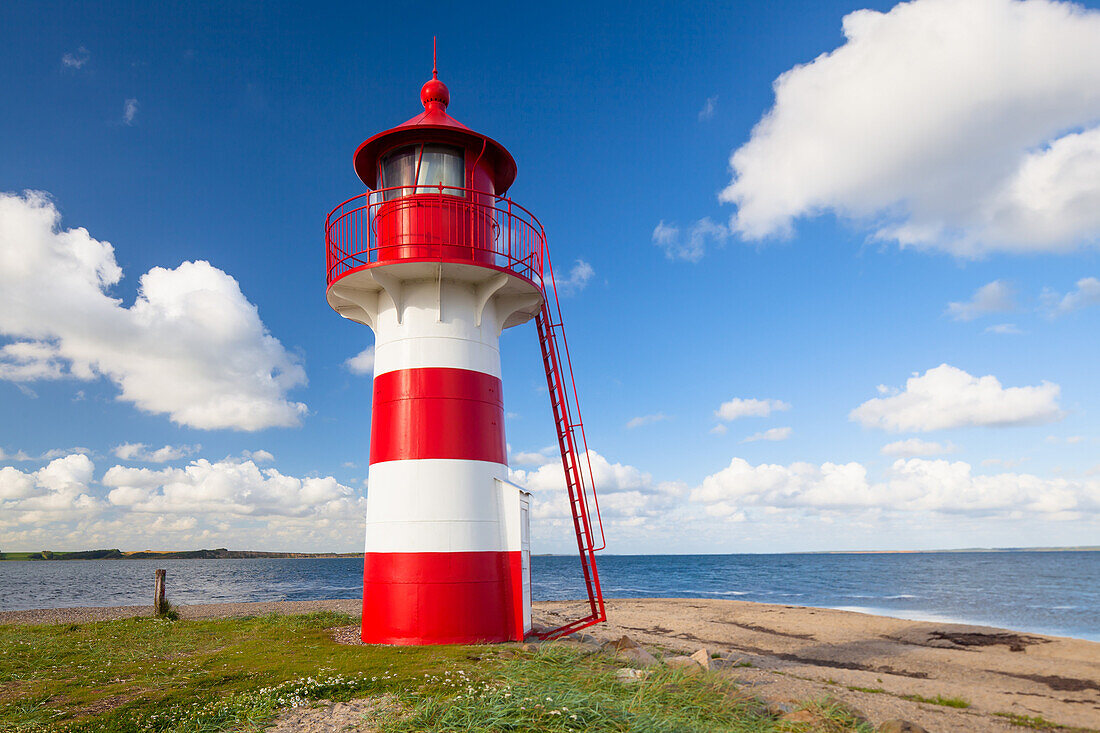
point(434, 125)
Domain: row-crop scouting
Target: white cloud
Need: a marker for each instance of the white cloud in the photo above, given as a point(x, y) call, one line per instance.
point(962, 125)
point(692, 247)
point(1086, 294)
point(230, 503)
point(229, 488)
point(725, 511)
point(739, 407)
point(1003, 329)
point(129, 111)
point(947, 397)
point(916, 447)
point(140, 452)
point(707, 112)
point(578, 278)
point(627, 495)
point(19, 455)
point(719, 429)
point(191, 346)
point(994, 297)
point(641, 420)
point(22, 455)
point(362, 363)
point(913, 485)
point(543, 457)
point(1068, 439)
point(801, 484)
point(76, 59)
point(29, 361)
point(61, 452)
point(774, 434)
point(53, 494)
point(258, 456)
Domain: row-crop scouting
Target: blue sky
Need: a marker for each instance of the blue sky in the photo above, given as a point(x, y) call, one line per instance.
point(907, 158)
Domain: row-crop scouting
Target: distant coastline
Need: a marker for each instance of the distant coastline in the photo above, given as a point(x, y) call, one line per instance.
point(222, 553)
point(219, 554)
point(1082, 548)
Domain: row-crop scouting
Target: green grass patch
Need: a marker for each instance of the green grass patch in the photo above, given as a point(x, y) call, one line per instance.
point(833, 716)
point(21, 556)
point(147, 675)
point(51, 555)
point(951, 702)
point(1027, 721)
point(558, 689)
point(856, 688)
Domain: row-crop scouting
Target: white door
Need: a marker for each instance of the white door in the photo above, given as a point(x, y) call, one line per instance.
point(525, 557)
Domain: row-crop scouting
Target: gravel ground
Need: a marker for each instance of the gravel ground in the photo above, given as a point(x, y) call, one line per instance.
point(870, 662)
point(347, 635)
point(336, 717)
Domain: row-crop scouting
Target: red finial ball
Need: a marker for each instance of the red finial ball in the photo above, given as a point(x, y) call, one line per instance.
point(434, 91)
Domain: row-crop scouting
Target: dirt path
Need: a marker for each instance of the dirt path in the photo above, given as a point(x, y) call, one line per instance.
point(797, 653)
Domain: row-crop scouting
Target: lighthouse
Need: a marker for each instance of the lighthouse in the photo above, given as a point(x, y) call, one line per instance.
point(438, 263)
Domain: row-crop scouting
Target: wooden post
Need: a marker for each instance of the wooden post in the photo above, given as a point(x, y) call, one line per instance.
point(159, 604)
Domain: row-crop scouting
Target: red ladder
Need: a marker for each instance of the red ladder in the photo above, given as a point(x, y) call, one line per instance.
point(578, 476)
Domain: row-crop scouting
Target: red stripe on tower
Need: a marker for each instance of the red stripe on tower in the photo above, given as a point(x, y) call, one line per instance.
point(437, 413)
point(442, 597)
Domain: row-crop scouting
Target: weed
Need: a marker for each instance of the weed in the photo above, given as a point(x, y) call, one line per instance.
point(833, 716)
point(558, 689)
point(951, 702)
point(169, 612)
point(1027, 721)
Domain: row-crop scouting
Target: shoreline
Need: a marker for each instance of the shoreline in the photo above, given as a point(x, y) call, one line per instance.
point(884, 667)
point(223, 609)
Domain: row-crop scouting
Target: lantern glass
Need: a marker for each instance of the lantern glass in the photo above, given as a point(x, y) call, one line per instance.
point(423, 169)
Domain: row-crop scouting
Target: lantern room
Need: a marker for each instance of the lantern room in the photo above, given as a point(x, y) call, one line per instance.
point(437, 181)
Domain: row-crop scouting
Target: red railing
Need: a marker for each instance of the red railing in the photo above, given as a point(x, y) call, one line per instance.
point(445, 224)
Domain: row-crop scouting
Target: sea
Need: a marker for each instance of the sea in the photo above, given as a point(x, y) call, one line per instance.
point(1049, 592)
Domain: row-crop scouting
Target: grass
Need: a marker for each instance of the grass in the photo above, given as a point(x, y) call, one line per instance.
point(147, 674)
point(1034, 722)
point(20, 555)
point(951, 702)
point(51, 555)
point(856, 688)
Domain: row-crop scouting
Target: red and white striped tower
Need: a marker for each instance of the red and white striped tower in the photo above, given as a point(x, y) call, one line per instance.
point(449, 266)
point(438, 263)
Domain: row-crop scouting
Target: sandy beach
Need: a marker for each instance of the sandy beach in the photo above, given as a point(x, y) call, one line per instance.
point(870, 662)
point(801, 652)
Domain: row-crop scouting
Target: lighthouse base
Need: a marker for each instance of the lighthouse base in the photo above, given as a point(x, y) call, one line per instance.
point(451, 597)
point(442, 597)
